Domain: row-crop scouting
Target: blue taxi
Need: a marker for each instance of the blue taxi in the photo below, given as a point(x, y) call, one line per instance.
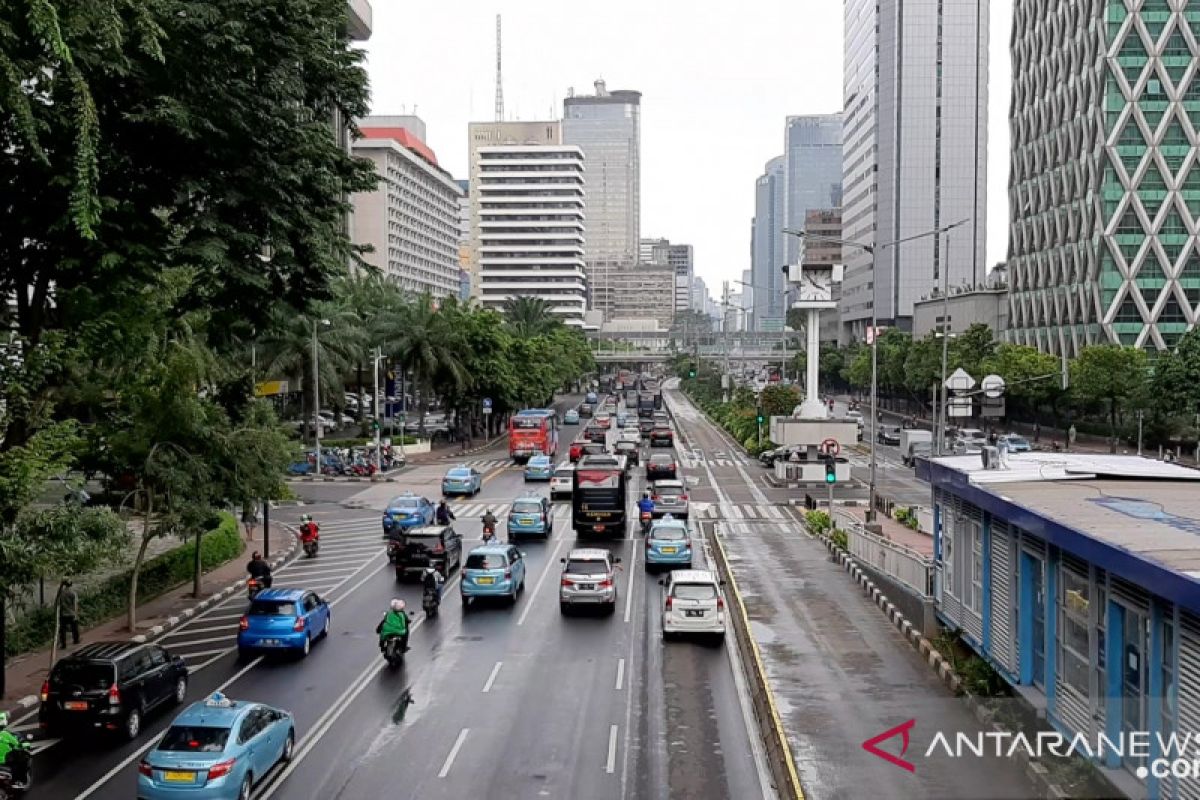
point(668, 544)
point(493, 570)
point(282, 619)
point(217, 749)
point(407, 511)
point(530, 516)
point(462, 480)
point(539, 468)
point(571, 417)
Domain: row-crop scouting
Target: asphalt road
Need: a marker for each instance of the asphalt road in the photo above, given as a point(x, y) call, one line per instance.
point(503, 702)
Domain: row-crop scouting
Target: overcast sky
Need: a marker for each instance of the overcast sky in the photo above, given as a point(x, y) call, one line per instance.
point(717, 80)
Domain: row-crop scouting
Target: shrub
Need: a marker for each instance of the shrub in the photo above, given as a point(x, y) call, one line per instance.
point(110, 598)
point(907, 517)
point(838, 537)
point(360, 442)
point(818, 521)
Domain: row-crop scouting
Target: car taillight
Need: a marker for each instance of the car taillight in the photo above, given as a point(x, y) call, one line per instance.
point(441, 548)
point(720, 603)
point(566, 582)
point(669, 603)
point(649, 543)
point(654, 497)
point(45, 690)
point(508, 574)
point(606, 583)
point(683, 497)
point(221, 769)
point(145, 769)
point(114, 695)
point(243, 623)
point(299, 625)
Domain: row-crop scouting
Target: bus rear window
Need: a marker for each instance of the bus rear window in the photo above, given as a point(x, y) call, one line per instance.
point(597, 479)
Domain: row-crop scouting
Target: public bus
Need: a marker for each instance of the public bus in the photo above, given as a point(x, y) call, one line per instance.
point(532, 432)
point(598, 497)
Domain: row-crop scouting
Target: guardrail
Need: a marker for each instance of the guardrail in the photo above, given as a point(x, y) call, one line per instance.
point(779, 752)
point(905, 565)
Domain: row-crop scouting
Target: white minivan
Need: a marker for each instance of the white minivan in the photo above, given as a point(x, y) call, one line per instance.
point(560, 481)
point(693, 603)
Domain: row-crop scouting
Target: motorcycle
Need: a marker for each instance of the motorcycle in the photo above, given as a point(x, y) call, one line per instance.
point(430, 602)
point(310, 548)
point(489, 531)
point(20, 762)
point(645, 517)
point(393, 651)
point(253, 587)
point(394, 549)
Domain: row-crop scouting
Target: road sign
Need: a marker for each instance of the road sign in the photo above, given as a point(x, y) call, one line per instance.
point(831, 447)
point(959, 407)
point(270, 388)
point(874, 332)
point(991, 407)
point(487, 402)
point(487, 410)
point(993, 386)
point(960, 381)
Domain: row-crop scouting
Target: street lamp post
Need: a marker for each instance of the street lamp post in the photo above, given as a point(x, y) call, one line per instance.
point(870, 249)
point(316, 394)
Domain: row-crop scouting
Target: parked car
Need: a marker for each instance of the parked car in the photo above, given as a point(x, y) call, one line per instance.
point(493, 570)
point(571, 417)
point(1016, 443)
point(660, 465)
point(693, 603)
point(407, 511)
point(562, 481)
point(888, 434)
point(588, 579)
point(110, 686)
point(462, 480)
point(217, 749)
point(668, 544)
point(670, 497)
point(539, 468)
point(336, 419)
point(282, 619)
point(437, 546)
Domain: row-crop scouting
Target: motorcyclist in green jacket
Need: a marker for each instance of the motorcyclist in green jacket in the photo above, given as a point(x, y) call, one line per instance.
point(9, 744)
point(394, 623)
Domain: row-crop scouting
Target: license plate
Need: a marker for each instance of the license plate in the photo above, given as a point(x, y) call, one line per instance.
point(269, 642)
point(669, 551)
point(485, 580)
point(587, 587)
point(696, 613)
point(76, 705)
point(527, 520)
point(179, 777)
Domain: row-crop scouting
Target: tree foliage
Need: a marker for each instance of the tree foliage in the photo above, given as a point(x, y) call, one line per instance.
point(778, 401)
point(1112, 376)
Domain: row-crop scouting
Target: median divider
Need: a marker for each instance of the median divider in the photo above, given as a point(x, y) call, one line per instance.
point(779, 752)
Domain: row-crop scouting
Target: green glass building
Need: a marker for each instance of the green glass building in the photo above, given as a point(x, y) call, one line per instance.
point(1104, 188)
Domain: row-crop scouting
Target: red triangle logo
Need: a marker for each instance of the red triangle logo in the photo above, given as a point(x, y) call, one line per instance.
point(870, 745)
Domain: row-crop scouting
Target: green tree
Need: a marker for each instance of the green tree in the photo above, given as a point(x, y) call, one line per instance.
point(1113, 376)
point(1025, 370)
point(833, 362)
point(529, 316)
point(893, 353)
point(857, 371)
point(971, 349)
point(923, 366)
point(425, 343)
point(778, 401)
point(1176, 383)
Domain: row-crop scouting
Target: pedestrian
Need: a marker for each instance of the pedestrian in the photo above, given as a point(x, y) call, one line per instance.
point(68, 613)
point(1071, 436)
point(1037, 430)
point(250, 519)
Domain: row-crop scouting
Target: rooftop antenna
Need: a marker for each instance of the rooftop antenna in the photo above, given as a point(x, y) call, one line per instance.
point(499, 83)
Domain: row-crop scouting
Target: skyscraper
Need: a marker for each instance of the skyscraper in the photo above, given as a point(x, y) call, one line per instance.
point(1103, 187)
point(914, 151)
point(607, 127)
point(768, 252)
point(812, 155)
point(679, 258)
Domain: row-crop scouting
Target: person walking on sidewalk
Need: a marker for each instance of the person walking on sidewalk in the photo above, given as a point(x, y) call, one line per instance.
point(250, 519)
point(68, 613)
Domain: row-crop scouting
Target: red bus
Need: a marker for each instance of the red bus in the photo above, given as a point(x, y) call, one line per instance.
point(533, 432)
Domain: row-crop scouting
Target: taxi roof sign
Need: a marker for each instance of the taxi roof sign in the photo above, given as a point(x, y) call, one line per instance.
point(218, 700)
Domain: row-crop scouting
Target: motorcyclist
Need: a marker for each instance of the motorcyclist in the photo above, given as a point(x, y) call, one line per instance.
point(489, 525)
point(433, 581)
point(645, 507)
point(259, 569)
point(444, 514)
point(309, 530)
point(10, 744)
point(394, 623)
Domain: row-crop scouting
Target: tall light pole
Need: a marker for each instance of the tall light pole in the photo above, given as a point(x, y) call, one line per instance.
point(871, 249)
point(316, 385)
point(939, 416)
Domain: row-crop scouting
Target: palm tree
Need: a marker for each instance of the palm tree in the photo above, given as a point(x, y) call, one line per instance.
point(529, 316)
point(424, 341)
point(372, 297)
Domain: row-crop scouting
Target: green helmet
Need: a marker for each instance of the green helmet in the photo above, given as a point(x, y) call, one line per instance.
point(3, 720)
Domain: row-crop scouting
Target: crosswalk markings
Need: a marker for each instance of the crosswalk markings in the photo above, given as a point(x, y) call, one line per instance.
point(738, 511)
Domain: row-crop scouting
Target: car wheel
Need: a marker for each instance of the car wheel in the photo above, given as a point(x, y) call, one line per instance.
point(133, 724)
point(180, 693)
point(466, 605)
point(666, 635)
point(289, 748)
point(325, 627)
point(304, 651)
point(244, 792)
point(564, 609)
point(612, 609)
point(244, 655)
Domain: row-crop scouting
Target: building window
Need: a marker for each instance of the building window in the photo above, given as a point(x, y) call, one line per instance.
point(1075, 621)
point(948, 550)
point(975, 603)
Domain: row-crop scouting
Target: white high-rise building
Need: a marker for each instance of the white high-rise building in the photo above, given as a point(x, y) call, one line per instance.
point(528, 212)
point(914, 152)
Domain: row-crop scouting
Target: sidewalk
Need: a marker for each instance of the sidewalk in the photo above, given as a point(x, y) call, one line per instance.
point(900, 534)
point(25, 673)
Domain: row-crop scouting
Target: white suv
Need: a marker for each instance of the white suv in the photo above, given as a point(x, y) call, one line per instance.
point(561, 480)
point(693, 603)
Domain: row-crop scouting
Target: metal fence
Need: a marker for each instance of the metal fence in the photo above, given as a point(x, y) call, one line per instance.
point(905, 565)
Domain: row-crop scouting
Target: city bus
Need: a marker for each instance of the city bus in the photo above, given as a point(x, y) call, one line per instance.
point(598, 497)
point(533, 432)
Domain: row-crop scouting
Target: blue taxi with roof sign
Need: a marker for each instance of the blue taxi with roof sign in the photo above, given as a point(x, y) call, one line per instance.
point(462, 480)
point(539, 468)
point(668, 544)
point(217, 749)
point(530, 516)
point(493, 570)
point(407, 511)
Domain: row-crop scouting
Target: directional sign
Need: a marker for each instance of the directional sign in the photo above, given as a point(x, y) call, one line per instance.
point(960, 381)
point(993, 386)
point(487, 402)
point(831, 447)
point(959, 407)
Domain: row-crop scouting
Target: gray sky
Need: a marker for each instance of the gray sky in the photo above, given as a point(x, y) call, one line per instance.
point(717, 80)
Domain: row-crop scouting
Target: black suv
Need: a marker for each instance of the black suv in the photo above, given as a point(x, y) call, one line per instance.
point(110, 686)
point(434, 546)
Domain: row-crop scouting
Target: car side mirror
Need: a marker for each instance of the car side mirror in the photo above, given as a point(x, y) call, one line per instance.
point(562, 561)
point(722, 581)
point(662, 581)
point(617, 560)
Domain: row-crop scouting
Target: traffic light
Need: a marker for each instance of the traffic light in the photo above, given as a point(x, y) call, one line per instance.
point(691, 372)
point(830, 470)
point(761, 418)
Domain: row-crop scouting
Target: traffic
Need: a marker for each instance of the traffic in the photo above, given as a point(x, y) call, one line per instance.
point(580, 533)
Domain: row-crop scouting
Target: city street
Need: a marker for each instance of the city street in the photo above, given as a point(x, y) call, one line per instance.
point(505, 702)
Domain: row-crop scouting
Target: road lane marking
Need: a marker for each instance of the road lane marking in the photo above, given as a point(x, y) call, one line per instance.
point(632, 588)
point(458, 743)
point(541, 579)
point(620, 673)
point(171, 634)
point(125, 762)
point(611, 765)
point(487, 686)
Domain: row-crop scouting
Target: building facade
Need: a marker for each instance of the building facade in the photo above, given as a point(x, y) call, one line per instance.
point(812, 154)
point(643, 291)
point(1103, 191)
point(411, 218)
point(963, 308)
point(606, 126)
point(767, 246)
point(914, 152)
point(529, 201)
point(681, 259)
point(486, 134)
